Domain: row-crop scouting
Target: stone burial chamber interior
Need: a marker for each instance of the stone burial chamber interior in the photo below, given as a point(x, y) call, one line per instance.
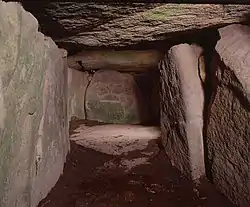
point(181, 68)
point(115, 86)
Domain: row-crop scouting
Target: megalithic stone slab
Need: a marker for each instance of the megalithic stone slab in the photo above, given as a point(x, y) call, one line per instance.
point(33, 109)
point(182, 102)
point(76, 25)
point(77, 85)
point(114, 97)
point(228, 134)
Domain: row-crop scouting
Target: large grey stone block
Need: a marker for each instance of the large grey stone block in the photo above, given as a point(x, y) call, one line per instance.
point(114, 97)
point(78, 82)
point(228, 134)
point(33, 109)
point(182, 102)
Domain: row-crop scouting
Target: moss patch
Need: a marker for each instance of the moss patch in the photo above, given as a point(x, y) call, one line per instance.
point(160, 14)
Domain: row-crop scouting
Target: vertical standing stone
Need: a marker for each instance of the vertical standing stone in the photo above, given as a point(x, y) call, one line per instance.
point(53, 135)
point(114, 97)
point(33, 109)
point(77, 86)
point(228, 135)
point(182, 102)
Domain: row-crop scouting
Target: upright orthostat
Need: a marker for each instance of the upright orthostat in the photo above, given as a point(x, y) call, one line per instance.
point(33, 109)
point(182, 103)
point(228, 134)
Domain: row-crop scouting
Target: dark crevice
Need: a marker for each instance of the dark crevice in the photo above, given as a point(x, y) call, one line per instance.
point(212, 59)
point(209, 87)
point(90, 76)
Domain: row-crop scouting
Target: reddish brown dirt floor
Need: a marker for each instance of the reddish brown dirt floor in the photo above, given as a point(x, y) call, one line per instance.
point(156, 184)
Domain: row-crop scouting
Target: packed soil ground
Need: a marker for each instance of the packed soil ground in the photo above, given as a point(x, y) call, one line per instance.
point(88, 181)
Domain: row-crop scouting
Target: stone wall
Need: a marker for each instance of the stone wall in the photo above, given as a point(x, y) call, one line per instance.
point(228, 133)
point(113, 97)
point(114, 86)
point(33, 109)
point(219, 120)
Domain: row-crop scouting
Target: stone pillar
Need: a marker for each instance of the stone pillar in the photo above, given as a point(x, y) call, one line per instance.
point(182, 103)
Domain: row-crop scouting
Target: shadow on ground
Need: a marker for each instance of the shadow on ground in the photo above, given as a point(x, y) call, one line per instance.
point(88, 182)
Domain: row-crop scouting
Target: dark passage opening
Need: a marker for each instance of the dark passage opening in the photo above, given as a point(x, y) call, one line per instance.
point(124, 164)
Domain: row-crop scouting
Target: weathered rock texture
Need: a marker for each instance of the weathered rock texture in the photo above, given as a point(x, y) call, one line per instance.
point(126, 60)
point(114, 97)
point(182, 101)
point(33, 113)
point(75, 24)
point(77, 85)
point(139, 89)
point(228, 129)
